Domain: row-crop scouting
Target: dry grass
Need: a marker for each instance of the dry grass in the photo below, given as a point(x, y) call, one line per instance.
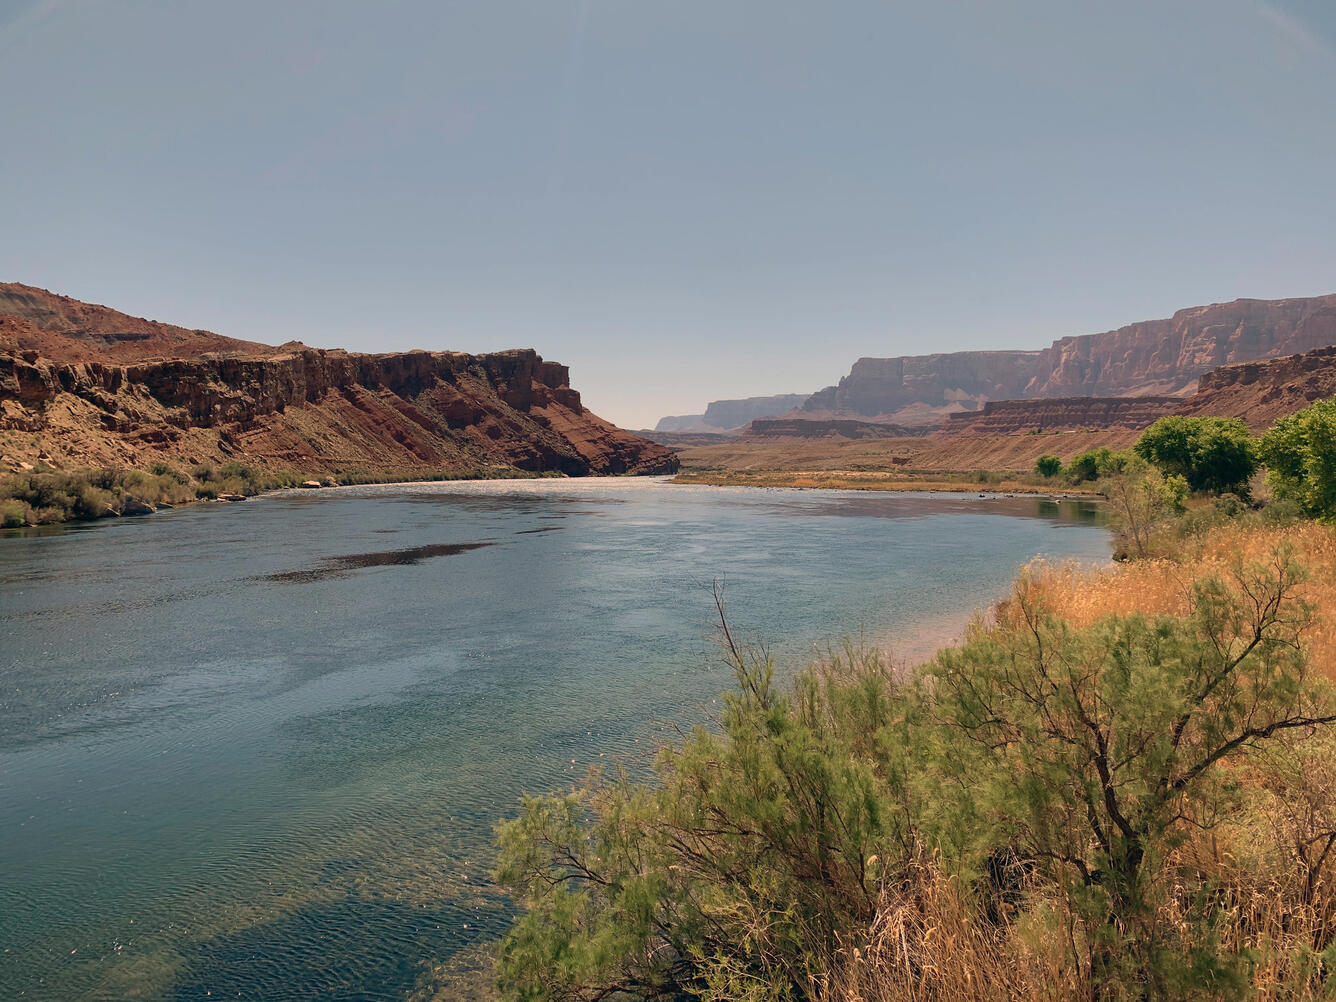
point(1164, 586)
point(1268, 863)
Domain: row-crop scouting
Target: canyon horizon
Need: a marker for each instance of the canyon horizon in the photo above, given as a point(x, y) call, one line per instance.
point(109, 389)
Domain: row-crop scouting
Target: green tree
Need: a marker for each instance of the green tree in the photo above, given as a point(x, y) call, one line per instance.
point(1210, 453)
point(1299, 452)
point(1048, 465)
point(1142, 502)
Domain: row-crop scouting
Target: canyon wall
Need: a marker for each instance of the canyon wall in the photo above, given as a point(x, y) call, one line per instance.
point(292, 407)
point(726, 415)
point(889, 386)
point(1152, 358)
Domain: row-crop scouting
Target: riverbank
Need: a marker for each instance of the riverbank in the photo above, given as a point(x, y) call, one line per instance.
point(859, 480)
point(1115, 785)
point(45, 496)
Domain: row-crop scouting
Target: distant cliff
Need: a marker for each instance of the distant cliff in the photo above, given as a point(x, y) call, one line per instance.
point(885, 386)
point(1152, 358)
point(1258, 392)
point(726, 415)
point(84, 385)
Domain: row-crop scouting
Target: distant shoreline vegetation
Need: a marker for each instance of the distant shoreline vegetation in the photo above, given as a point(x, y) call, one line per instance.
point(47, 496)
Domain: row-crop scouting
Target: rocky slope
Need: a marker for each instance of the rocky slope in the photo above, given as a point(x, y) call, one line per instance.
point(83, 385)
point(1261, 392)
point(1011, 417)
point(1152, 358)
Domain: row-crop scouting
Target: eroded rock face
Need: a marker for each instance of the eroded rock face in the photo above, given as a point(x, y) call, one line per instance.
point(1012, 417)
point(298, 408)
point(1168, 356)
point(883, 386)
point(1261, 392)
point(1153, 358)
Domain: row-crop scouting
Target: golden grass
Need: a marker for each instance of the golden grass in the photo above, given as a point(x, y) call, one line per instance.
point(1163, 586)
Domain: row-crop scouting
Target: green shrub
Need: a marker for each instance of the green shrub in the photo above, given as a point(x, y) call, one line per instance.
point(1048, 465)
point(1054, 772)
point(14, 513)
point(1093, 464)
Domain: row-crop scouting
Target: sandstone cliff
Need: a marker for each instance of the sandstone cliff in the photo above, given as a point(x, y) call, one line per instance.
point(83, 385)
point(726, 415)
point(890, 386)
point(1152, 358)
point(1258, 392)
point(1261, 392)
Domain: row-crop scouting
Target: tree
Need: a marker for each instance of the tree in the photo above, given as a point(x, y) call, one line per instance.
point(1048, 465)
point(1092, 748)
point(1141, 502)
point(1300, 455)
point(1211, 454)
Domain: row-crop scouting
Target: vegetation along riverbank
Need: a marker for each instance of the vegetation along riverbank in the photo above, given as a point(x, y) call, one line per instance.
point(1117, 786)
point(46, 496)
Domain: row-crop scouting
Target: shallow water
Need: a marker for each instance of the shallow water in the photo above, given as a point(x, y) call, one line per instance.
point(255, 751)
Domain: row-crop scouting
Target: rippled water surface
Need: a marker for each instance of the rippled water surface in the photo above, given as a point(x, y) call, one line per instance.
point(255, 751)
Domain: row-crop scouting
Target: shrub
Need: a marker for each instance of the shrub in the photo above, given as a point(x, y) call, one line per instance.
point(1016, 820)
point(14, 513)
point(1142, 503)
point(1211, 454)
point(1048, 465)
point(1093, 464)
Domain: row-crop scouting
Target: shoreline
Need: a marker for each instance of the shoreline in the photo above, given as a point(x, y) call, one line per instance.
point(819, 480)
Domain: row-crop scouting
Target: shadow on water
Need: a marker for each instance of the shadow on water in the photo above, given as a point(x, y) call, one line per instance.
point(342, 566)
point(324, 952)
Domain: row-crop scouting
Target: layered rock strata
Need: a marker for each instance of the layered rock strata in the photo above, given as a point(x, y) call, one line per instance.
point(294, 407)
point(1152, 358)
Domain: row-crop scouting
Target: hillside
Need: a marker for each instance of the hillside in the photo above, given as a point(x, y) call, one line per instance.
point(83, 385)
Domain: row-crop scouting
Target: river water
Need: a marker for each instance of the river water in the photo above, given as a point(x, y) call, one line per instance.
point(256, 750)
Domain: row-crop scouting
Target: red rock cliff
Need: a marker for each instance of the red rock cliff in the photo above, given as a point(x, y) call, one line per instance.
point(1152, 358)
point(96, 391)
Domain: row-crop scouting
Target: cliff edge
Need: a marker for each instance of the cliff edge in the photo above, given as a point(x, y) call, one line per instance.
point(83, 385)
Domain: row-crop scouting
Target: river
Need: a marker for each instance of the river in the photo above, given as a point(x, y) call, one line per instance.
point(256, 750)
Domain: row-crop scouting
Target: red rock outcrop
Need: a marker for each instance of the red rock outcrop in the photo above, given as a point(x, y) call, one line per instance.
point(294, 407)
point(1261, 392)
point(1011, 417)
point(1167, 356)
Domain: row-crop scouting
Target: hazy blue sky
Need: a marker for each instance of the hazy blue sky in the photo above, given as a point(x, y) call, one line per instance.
point(681, 200)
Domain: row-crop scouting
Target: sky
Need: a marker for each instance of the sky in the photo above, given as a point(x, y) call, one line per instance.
point(683, 201)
